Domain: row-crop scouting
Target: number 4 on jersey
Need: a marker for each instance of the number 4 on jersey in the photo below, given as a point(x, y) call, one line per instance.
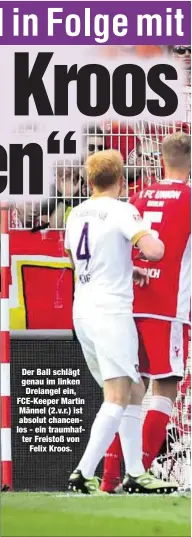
point(83, 246)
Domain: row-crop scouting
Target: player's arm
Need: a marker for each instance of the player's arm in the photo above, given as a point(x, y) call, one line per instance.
point(135, 230)
point(153, 249)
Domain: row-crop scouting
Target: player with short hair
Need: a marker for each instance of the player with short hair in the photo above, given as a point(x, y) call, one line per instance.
point(162, 308)
point(168, 206)
point(99, 237)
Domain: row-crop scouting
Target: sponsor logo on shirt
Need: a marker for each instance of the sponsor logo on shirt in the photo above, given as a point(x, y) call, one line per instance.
point(137, 217)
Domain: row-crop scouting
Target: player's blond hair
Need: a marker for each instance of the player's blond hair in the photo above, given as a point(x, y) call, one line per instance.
point(104, 168)
point(176, 150)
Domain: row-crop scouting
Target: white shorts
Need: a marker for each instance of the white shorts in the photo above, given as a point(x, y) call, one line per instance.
point(110, 346)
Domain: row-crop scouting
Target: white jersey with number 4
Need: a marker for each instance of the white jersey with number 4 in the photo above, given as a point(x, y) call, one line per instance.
point(100, 234)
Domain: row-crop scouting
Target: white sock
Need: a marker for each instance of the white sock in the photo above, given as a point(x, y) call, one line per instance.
point(161, 404)
point(130, 432)
point(103, 430)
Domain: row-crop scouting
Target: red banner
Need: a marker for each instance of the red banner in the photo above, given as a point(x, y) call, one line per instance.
point(41, 290)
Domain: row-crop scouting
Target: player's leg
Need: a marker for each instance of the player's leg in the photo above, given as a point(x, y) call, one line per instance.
point(103, 430)
point(164, 393)
point(166, 372)
point(111, 477)
point(131, 432)
point(136, 478)
point(131, 424)
point(131, 440)
point(114, 455)
point(116, 394)
point(130, 428)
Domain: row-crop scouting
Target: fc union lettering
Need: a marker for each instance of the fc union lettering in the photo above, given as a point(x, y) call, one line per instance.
point(110, 88)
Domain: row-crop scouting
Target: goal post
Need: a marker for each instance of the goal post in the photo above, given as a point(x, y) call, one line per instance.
point(6, 449)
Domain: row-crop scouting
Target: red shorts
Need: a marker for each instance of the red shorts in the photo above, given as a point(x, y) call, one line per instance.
point(163, 347)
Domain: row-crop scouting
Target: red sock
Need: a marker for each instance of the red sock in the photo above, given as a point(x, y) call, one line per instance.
point(111, 474)
point(154, 433)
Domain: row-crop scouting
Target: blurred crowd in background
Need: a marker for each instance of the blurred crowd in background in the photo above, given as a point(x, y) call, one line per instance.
point(139, 143)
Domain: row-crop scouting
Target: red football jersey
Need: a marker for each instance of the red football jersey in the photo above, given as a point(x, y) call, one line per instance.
point(167, 208)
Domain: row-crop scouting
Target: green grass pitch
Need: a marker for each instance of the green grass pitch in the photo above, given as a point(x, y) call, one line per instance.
point(48, 515)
